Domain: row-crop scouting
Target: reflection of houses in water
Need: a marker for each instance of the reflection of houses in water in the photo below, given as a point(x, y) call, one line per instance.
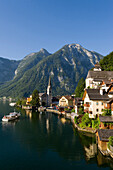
point(63, 120)
point(104, 160)
point(47, 124)
point(91, 151)
point(29, 113)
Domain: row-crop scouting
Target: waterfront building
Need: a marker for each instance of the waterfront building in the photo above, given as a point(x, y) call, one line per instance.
point(66, 101)
point(103, 139)
point(106, 122)
point(29, 99)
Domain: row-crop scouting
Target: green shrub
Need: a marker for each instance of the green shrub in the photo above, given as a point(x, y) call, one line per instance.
point(86, 121)
point(110, 140)
point(106, 112)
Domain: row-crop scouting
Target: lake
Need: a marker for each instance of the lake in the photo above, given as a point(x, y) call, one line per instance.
point(46, 141)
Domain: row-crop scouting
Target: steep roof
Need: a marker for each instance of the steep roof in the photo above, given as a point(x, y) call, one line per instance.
point(101, 75)
point(67, 97)
point(104, 134)
point(94, 94)
point(106, 119)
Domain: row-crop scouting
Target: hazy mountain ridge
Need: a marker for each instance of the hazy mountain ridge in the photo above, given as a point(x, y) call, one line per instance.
point(66, 67)
point(7, 69)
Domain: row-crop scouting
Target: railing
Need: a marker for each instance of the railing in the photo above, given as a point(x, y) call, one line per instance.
point(87, 105)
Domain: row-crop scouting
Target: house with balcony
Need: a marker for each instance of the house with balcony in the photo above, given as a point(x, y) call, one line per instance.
point(96, 76)
point(95, 101)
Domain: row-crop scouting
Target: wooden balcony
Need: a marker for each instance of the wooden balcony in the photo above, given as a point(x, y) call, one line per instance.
point(87, 105)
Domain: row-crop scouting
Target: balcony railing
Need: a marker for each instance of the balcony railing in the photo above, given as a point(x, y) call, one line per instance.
point(87, 105)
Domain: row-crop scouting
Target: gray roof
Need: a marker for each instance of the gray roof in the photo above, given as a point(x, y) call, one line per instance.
point(107, 119)
point(41, 94)
point(102, 75)
point(104, 134)
point(94, 94)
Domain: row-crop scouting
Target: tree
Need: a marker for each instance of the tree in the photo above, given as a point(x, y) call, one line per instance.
point(81, 111)
point(35, 98)
point(79, 91)
point(107, 62)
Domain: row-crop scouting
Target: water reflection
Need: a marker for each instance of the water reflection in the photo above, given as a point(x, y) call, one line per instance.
point(51, 139)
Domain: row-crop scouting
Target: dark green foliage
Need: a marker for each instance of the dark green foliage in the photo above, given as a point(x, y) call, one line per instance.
point(79, 91)
point(106, 112)
point(19, 102)
point(73, 110)
point(86, 121)
point(95, 123)
point(35, 98)
point(110, 141)
point(107, 62)
point(76, 120)
point(81, 111)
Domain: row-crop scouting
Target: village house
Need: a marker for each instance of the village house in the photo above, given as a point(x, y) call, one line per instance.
point(106, 122)
point(94, 102)
point(66, 101)
point(96, 76)
point(29, 99)
point(103, 139)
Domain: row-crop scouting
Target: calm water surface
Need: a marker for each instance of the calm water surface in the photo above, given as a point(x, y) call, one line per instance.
point(46, 141)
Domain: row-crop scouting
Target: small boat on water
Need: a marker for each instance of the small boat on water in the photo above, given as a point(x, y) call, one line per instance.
point(11, 116)
point(12, 104)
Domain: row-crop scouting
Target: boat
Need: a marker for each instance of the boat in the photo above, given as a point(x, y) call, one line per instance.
point(11, 116)
point(12, 104)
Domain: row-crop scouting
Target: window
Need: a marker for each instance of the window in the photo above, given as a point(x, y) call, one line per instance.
point(96, 103)
point(97, 110)
point(102, 103)
point(102, 110)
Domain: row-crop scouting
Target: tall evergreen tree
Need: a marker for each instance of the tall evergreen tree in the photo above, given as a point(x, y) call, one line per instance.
point(79, 91)
point(35, 98)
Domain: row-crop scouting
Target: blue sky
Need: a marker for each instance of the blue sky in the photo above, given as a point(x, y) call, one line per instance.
point(28, 25)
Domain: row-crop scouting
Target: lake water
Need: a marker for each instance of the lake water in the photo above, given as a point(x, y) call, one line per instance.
point(46, 141)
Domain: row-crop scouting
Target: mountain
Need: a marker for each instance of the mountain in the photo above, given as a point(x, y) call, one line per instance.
point(7, 69)
point(66, 67)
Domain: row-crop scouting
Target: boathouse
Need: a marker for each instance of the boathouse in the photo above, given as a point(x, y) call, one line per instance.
point(103, 139)
point(106, 122)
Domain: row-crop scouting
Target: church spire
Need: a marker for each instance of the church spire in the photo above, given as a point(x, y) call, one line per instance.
point(49, 84)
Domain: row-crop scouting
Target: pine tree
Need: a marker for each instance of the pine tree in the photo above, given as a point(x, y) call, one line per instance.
point(79, 91)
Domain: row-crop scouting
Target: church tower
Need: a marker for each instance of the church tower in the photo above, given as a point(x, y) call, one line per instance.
point(49, 93)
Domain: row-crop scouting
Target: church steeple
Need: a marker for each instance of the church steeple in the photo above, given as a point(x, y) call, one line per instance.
point(49, 93)
point(49, 88)
point(49, 84)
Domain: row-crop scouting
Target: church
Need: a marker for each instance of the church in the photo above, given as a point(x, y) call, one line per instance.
point(46, 98)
